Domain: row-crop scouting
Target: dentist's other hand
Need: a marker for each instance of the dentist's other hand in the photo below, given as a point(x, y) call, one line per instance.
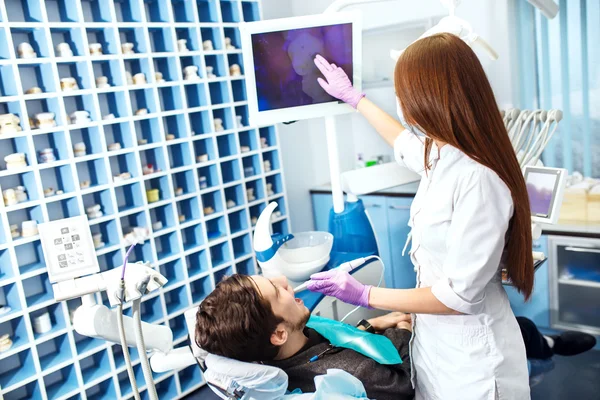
point(338, 84)
point(341, 285)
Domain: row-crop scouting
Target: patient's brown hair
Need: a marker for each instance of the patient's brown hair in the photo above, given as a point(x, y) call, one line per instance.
point(236, 321)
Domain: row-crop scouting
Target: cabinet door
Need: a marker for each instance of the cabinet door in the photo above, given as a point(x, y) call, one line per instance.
point(322, 204)
point(537, 308)
point(375, 206)
point(398, 210)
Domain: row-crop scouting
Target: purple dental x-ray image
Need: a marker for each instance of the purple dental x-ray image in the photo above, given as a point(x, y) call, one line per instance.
point(286, 75)
point(540, 188)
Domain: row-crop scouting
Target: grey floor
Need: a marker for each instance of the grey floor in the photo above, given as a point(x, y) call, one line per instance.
point(573, 378)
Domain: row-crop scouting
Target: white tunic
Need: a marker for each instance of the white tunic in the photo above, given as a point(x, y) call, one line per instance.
point(459, 219)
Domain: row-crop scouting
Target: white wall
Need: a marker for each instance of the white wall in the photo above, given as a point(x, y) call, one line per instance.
point(303, 144)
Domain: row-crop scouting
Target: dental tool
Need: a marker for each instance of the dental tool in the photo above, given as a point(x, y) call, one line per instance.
point(344, 267)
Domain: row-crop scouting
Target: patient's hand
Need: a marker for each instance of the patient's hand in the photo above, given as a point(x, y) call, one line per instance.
point(392, 320)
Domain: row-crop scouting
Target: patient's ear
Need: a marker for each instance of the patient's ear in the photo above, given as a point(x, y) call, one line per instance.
point(280, 336)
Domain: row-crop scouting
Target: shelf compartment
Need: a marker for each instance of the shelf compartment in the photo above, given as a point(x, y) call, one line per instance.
point(6, 271)
point(148, 130)
point(185, 181)
point(124, 381)
point(61, 10)
point(110, 69)
point(25, 214)
point(230, 11)
point(36, 37)
point(203, 148)
point(219, 93)
point(168, 67)
point(173, 271)
point(72, 36)
point(156, 11)
point(109, 232)
point(192, 237)
point(44, 105)
point(281, 227)
point(92, 171)
point(217, 62)
point(106, 37)
point(238, 221)
point(226, 116)
point(17, 368)
point(242, 246)
point(191, 35)
point(233, 34)
point(102, 198)
point(235, 59)
point(113, 103)
point(129, 196)
point(161, 40)
point(16, 145)
point(78, 70)
point(16, 329)
point(24, 11)
point(30, 257)
point(54, 352)
point(214, 35)
point(65, 208)
point(251, 165)
point(222, 274)
point(164, 215)
point(95, 366)
point(578, 306)
point(167, 245)
point(189, 378)
point(196, 95)
point(37, 290)
point(183, 10)
point(227, 145)
point(276, 184)
point(117, 351)
point(238, 88)
point(95, 11)
point(242, 111)
point(273, 157)
point(255, 212)
point(178, 327)
point(246, 267)
point(61, 178)
point(143, 98)
point(176, 300)
point(54, 140)
point(32, 75)
point(154, 157)
point(128, 10)
point(189, 209)
point(200, 288)
point(4, 49)
point(213, 200)
point(137, 66)
point(102, 391)
point(235, 194)
point(207, 11)
point(200, 122)
point(27, 180)
point(197, 263)
point(162, 184)
point(57, 318)
point(123, 163)
point(135, 36)
point(85, 344)
point(208, 177)
point(219, 255)
point(81, 103)
point(31, 391)
point(111, 260)
point(91, 137)
point(170, 98)
point(150, 310)
point(230, 171)
point(167, 388)
point(14, 107)
point(61, 382)
point(248, 139)
point(119, 133)
point(175, 125)
point(268, 135)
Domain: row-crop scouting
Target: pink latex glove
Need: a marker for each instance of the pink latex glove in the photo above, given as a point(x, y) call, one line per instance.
point(341, 285)
point(338, 84)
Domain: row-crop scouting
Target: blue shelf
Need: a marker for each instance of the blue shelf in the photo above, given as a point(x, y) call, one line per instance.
point(190, 209)
point(95, 366)
point(192, 237)
point(102, 391)
point(31, 391)
point(230, 12)
point(17, 368)
point(222, 274)
point(154, 157)
point(197, 263)
point(24, 11)
point(167, 66)
point(54, 140)
point(105, 36)
point(191, 35)
point(54, 352)
point(61, 382)
point(150, 309)
point(156, 11)
point(9, 295)
point(179, 155)
point(207, 11)
point(61, 209)
point(30, 257)
point(175, 125)
point(56, 318)
point(149, 130)
point(164, 215)
point(16, 145)
point(238, 88)
point(200, 122)
point(166, 246)
point(196, 95)
point(129, 197)
point(26, 180)
point(178, 327)
point(117, 351)
point(36, 37)
point(184, 180)
point(111, 260)
point(220, 254)
point(143, 98)
point(176, 300)
point(61, 11)
point(216, 228)
point(72, 36)
point(81, 103)
point(124, 381)
point(119, 164)
point(174, 271)
point(166, 389)
point(94, 11)
point(128, 11)
point(135, 36)
point(119, 133)
point(101, 198)
point(170, 98)
point(235, 194)
point(113, 103)
point(242, 246)
point(252, 165)
point(233, 34)
point(32, 75)
point(217, 62)
point(214, 200)
point(227, 145)
point(110, 69)
point(61, 178)
point(161, 40)
point(85, 344)
point(200, 289)
point(162, 184)
point(238, 221)
point(258, 187)
point(230, 171)
point(246, 267)
point(16, 328)
point(6, 270)
point(189, 377)
point(250, 11)
point(79, 71)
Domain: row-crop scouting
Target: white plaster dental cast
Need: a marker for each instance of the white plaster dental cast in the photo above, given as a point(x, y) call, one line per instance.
point(68, 84)
point(95, 49)
point(25, 50)
point(9, 124)
point(102, 82)
point(235, 70)
point(207, 45)
point(229, 45)
point(218, 125)
point(127, 48)
point(15, 161)
point(44, 120)
point(190, 73)
point(64, 50)
point(139, 79)
point(182, 46)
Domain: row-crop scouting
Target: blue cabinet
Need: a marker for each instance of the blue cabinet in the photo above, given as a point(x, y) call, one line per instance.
point(398, 210)
point(322, 204)
point(376, 210)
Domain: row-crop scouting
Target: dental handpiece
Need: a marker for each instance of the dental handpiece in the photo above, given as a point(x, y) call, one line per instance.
point(344, 267)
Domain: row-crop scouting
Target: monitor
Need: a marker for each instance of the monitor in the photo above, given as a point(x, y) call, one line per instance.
point(281, 77)
point(545, 187)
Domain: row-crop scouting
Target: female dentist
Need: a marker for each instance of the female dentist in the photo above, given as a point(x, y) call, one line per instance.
point(469, 219)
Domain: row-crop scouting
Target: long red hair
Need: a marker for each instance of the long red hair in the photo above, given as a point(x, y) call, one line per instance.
point(443, 89)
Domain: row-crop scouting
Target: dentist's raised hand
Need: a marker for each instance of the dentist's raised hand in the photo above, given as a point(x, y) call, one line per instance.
point(337, 83)
point(341, 285)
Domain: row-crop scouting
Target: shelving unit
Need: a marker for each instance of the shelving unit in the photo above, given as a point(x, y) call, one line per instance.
point(193, 248)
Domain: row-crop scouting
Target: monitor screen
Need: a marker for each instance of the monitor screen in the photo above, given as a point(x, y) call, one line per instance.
point(541, 187)
point(286, 75)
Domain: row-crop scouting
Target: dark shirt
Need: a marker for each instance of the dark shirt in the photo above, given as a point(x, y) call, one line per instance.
point(381, 382)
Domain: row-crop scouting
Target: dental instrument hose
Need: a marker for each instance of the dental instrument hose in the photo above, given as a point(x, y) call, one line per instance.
point(378, 284)
point(141, 346)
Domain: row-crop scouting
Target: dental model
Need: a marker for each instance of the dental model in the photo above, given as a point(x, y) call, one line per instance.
point(207, 45)
point(250, 194)
point(254, 220)
point(208, 210)
point(95, 49)
point(228, 45)
point(29, 228)
point(97, 238)
point(127, 48)
point(248, 171)
point(15, 161)
point(157, 226)
point(231, 203)
point(108, 117)
point(148, 169)
point(270, 191)
point(202, 158)
point(235, 70)
point(68, 84)
point(44, 120)
point(190, 73)
point(5, 341)
point(182, 46)
point(169, 137)
point(14, 231)
point(263, 142)
point(141, 111)
point(64, 50)
point(46, 156)
point(122, 177)
point(26, 51)
point(203, 183)
point(84, 184)
point(114, 146)
point(79, 149)
point(94, 211)
point(181, 218)
point(158, 77)
point(9, 124)
point(102, 82)
point(49, 192)
point(244, 149)
point(209, 72)
point(139, 79)
point(128, 78)
point(219, 125)
point(267, 165)
point(80, 117)
point(34, 90)
point(178, 191)
point(136, 235)
point(238, 120)
point(14, 196)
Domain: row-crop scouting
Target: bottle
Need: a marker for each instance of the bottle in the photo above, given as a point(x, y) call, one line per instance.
point(360, 162)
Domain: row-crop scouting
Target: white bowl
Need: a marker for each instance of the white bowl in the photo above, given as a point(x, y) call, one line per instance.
point(307, 247)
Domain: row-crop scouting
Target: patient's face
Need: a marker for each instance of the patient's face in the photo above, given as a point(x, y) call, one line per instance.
point(280, 295)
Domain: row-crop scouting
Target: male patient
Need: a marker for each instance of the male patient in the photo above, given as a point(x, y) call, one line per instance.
point(255, 319)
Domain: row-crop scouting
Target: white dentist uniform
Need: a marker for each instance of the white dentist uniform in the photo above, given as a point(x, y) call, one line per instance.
point(459, 220)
